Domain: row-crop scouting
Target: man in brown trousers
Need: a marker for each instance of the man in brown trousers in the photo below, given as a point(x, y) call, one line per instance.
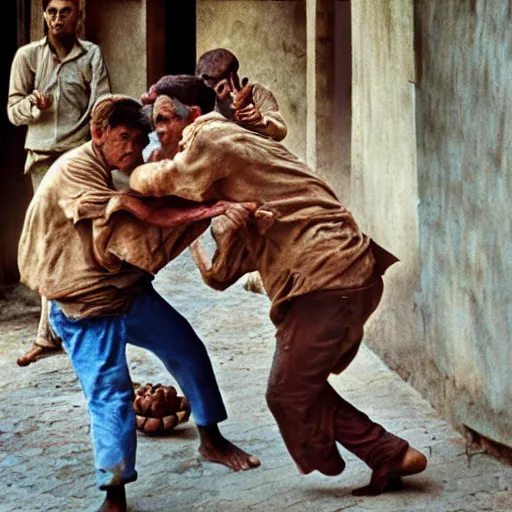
point(322, 274)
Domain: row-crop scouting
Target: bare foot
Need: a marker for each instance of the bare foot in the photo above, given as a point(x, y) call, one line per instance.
point(115, 501)
point(216, 448)
point(387, 478)
point(37, 352)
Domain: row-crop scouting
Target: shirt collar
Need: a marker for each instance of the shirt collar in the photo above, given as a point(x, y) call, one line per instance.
point(77, 50)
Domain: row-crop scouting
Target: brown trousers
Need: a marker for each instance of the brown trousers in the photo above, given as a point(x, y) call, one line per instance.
point(321, 334)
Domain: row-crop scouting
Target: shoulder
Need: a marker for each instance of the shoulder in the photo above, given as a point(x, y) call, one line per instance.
point(91, 49)
point(259, 89)
point(211, 128)
point(30, 49)
point(88, 46)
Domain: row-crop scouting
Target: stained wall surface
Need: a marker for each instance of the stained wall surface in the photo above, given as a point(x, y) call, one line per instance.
point(431, 181)
point(269, 39)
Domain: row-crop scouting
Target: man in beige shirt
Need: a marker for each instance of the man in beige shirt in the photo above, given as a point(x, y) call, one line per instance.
point(321, 273)
point(93, 252)
point(53, 85)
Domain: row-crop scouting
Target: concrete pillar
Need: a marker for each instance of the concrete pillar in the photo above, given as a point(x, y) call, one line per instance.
point(320, 85)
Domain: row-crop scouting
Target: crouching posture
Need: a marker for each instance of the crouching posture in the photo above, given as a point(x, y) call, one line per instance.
point(322, 274)
point(93, 252)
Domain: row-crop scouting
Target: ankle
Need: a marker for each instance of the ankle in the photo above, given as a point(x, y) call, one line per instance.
point(210, 434)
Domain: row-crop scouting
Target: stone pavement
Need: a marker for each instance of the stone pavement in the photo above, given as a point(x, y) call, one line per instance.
point(45, 452)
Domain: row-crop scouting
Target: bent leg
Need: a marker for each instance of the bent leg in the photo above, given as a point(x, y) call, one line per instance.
point(96, 348)
point(320, 334)
point(155, 325)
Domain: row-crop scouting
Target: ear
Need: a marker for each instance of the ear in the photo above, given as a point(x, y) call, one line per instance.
point(97, 134)
point(45, 16)
point(195, 112)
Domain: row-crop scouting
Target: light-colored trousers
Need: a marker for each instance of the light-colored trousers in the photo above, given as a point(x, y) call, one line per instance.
point(44, 336)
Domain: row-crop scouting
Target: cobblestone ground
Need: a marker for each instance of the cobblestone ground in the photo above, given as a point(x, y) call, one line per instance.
point(45, 451)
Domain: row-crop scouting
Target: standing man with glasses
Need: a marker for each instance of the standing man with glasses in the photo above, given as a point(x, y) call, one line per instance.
point(53, 86)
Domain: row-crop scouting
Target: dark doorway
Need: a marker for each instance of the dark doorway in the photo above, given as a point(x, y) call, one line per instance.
point(15, 188)
point(342, 97)
point(180, 37)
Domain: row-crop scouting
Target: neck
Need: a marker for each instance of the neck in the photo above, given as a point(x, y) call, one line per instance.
point(61, 45)
point(169, 151)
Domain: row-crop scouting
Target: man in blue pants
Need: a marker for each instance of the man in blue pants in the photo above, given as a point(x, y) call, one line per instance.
point(93, 252)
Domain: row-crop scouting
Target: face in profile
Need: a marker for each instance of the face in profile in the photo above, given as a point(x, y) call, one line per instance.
point(122, 146)
point(62, 18)
point(170, 120)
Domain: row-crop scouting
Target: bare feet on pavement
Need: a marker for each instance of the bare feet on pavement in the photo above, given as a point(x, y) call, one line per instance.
point(37, 352)
point(216, 448)
point(387, 478)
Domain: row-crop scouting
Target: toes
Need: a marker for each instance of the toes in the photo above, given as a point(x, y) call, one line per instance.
point(254, 462)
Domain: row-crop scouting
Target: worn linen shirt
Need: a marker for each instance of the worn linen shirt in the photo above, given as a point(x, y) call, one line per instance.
point(75, 84)
point(312, 241)
point(80, 247)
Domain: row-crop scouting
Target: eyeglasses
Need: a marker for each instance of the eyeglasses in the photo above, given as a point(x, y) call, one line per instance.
point(53, 14)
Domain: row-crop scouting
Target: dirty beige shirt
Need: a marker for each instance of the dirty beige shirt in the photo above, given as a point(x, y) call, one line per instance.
point(75, 83)
point(80, 248)
point(313, 242)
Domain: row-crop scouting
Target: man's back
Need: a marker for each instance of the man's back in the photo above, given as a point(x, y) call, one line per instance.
point(312, 241)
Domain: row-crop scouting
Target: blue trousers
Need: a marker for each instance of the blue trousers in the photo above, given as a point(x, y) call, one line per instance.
point(97, 350)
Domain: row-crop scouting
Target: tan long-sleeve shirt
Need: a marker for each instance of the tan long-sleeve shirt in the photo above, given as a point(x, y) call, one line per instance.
point(80, 248)
point(75, 84)
point(312, 243)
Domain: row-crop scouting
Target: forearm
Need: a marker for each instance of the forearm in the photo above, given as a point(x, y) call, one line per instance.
point(229, 263)
point(165, 216)
point(153, 179)
point(274, 126)
point(21, 110)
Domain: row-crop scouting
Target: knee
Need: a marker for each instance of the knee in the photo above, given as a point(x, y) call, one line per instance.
point(276, 402)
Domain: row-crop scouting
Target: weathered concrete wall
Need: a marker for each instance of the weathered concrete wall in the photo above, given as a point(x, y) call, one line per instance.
point(464, 117)
point(439, 199)
point(384, 181)
point(269, 39)
point(120, 30)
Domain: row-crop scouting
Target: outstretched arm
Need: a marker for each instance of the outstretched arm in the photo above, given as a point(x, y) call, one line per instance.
point(165, 216)
point(206, 158)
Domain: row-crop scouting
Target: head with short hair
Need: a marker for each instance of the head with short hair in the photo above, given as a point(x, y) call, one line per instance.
point(62, 17)
point(187, 89)
point(219, 70)
point(181, 99)
point(216, 64)
point(119, 130)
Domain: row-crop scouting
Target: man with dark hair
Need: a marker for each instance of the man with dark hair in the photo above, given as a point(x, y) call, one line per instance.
point(93, 252)
point(54, 83)
point(218, 69)
point(322, 274)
